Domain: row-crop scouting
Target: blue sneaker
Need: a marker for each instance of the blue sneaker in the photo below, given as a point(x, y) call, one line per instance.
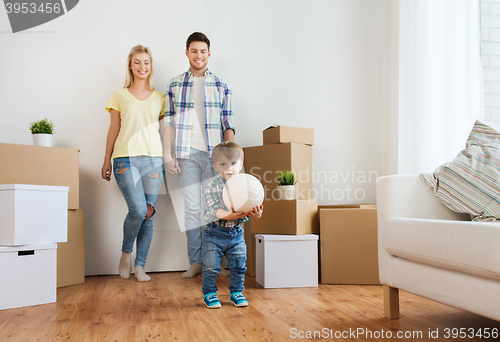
point(238, 299)
point(211, 300)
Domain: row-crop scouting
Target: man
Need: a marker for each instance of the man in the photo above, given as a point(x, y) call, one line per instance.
point(198, 116)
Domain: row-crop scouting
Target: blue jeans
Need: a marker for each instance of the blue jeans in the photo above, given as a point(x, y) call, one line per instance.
point(139, 179)
point(219, 241)
point(196, 173)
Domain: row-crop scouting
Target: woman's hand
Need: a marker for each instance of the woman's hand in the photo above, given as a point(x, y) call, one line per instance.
point(114, 129)
point(106, 170)
point(256, 212)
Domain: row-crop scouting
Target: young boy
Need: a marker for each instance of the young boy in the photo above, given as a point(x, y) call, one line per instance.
point(223, 235)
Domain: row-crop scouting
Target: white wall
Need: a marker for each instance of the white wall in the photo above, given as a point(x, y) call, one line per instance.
point(317, 64)
point(490, 27)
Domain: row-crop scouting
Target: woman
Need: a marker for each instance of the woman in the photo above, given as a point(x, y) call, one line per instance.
point(134, 141)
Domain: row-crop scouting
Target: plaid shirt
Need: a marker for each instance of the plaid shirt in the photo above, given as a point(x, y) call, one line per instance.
point(213, 197)
point(179, 111)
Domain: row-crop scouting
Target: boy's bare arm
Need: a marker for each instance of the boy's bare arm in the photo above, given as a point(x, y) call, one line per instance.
point(256, 212)
point(230, 215)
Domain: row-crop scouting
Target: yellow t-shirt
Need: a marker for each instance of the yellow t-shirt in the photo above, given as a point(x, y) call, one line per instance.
point(139, 135)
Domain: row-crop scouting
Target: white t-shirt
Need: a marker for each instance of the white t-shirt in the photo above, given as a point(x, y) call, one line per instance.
point(199, 135)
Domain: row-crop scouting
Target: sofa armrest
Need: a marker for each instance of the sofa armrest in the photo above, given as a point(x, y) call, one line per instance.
point(405, 196)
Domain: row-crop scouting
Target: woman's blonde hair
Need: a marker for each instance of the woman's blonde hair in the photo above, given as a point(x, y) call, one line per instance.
point(129, 79)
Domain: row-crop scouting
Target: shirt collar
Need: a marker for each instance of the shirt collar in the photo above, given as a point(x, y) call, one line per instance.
point(220, 179)
point(190, 73)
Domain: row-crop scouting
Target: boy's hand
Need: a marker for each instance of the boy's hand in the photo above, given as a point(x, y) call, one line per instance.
point(256, 212)
point(230, 215)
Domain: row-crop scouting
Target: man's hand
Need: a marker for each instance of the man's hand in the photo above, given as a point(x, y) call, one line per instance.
point(171, 166)
point(256, 212)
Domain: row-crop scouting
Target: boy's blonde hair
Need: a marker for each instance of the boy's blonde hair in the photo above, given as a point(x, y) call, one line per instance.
point(228, 149)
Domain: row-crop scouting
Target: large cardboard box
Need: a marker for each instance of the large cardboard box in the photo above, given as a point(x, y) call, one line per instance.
point(286, 260)
point(71, 254)
point(282, 217)
point(264, 162)
point(26, 164)
point(348, 244)
point(33, 214)
point(29, 275)
point(250, 242)
point(284, 134)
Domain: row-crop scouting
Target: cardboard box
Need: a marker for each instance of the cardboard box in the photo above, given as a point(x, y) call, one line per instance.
point(250, 241)
point(71, 254)
point(284, 134)
point(295, 217)
point(26, 164)
point(29, 275)
point(264, 162)
point(286, 260)
point(348, 244)
point(33, 214)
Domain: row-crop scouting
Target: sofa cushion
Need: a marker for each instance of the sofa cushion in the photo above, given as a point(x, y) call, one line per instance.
point(470, 247)
point(471, 182)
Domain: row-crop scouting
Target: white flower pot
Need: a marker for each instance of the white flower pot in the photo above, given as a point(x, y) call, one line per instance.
point(286, 192)
point(42, 140)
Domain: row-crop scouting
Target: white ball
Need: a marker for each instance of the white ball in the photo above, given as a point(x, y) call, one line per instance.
point(242, 192)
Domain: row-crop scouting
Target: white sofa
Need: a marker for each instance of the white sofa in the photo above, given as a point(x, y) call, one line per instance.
point(426, 249)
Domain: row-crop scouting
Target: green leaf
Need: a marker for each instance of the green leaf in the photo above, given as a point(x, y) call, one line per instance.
point(286, 177)
point(44, 126)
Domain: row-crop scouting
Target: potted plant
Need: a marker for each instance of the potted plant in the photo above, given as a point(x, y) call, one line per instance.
point(286, 184)
point(42, 131)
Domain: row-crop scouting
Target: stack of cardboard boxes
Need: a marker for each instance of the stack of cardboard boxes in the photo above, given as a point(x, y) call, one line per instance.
point(347, 233)
point(284, 148)
point(51, 166)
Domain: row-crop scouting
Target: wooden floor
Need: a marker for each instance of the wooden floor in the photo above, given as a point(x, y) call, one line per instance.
point(170, 308)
